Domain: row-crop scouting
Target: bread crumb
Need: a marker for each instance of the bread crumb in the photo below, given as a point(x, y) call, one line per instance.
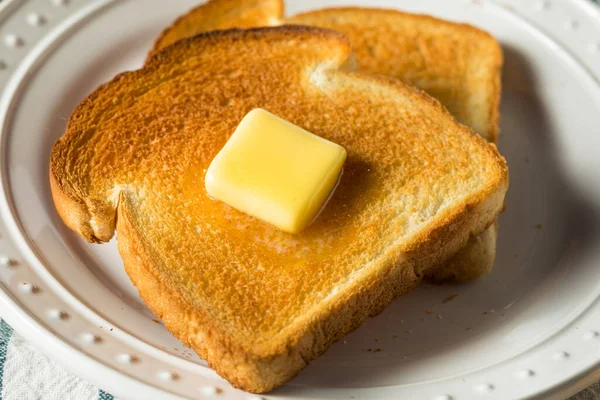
point(345, 342)
point(377, 339)
point(111, 329)
point(439, 316)
point(156, 321)
point(485, 313)
point(404, 357)
point(539, 226)
point(467, 329)
point(428, 312)
point(408, 331)
point(450, 298)
point(377, 350)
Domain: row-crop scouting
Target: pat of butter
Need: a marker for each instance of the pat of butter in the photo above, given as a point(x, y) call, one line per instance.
point(275, 171)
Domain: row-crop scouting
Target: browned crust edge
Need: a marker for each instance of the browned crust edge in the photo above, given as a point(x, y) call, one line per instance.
point(211, 4)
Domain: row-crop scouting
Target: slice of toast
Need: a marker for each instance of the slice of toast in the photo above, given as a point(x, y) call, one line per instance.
point(258, 304)
point(458, 64)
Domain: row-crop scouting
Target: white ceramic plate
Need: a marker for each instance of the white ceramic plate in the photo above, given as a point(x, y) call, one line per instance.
point(530, 328)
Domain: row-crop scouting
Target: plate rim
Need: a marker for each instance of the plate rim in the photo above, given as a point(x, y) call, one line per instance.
point(23, 319)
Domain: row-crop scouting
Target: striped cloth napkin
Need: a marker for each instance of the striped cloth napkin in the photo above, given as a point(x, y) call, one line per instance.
point(27, 374)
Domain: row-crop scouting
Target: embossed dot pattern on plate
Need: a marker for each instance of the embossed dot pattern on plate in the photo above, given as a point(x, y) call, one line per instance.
point(525, 374)
point(36, 19)
point(13, 41)
point(543, 5)
point(91, 338)
point(28, 288)
point(210, 390)
point(571, 24)
point(58, 315)
point(167, 376)
point(6, 261)
point(484, 388)
point(10, 42)
point(591, 335)
point(127, 359)
point(561, 355)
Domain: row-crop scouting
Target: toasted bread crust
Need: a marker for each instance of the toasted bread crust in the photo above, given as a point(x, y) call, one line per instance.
point(466, 264)
point(249, 358)
point(220, 15)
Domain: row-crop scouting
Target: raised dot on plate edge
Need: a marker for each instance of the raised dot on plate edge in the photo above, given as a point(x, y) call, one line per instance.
point(57, 314)
point(27, 287)
point(524, 374)
point(127, 358)
point(543, 5)
point(484, 388)
point(168, 376)
point(91, 338)
point(35, 19)
point(571, 24)
point(12, 40)
point(7, 261)
point(591, 335)
point(561, 355)
point(210, 390)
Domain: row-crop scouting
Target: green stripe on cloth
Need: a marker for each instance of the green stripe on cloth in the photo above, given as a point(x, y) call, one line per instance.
point(102, 395)
point(5, 335)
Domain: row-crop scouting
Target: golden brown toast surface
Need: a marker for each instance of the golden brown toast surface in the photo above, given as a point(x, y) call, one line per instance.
point(258, 303)
point(456, 63)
